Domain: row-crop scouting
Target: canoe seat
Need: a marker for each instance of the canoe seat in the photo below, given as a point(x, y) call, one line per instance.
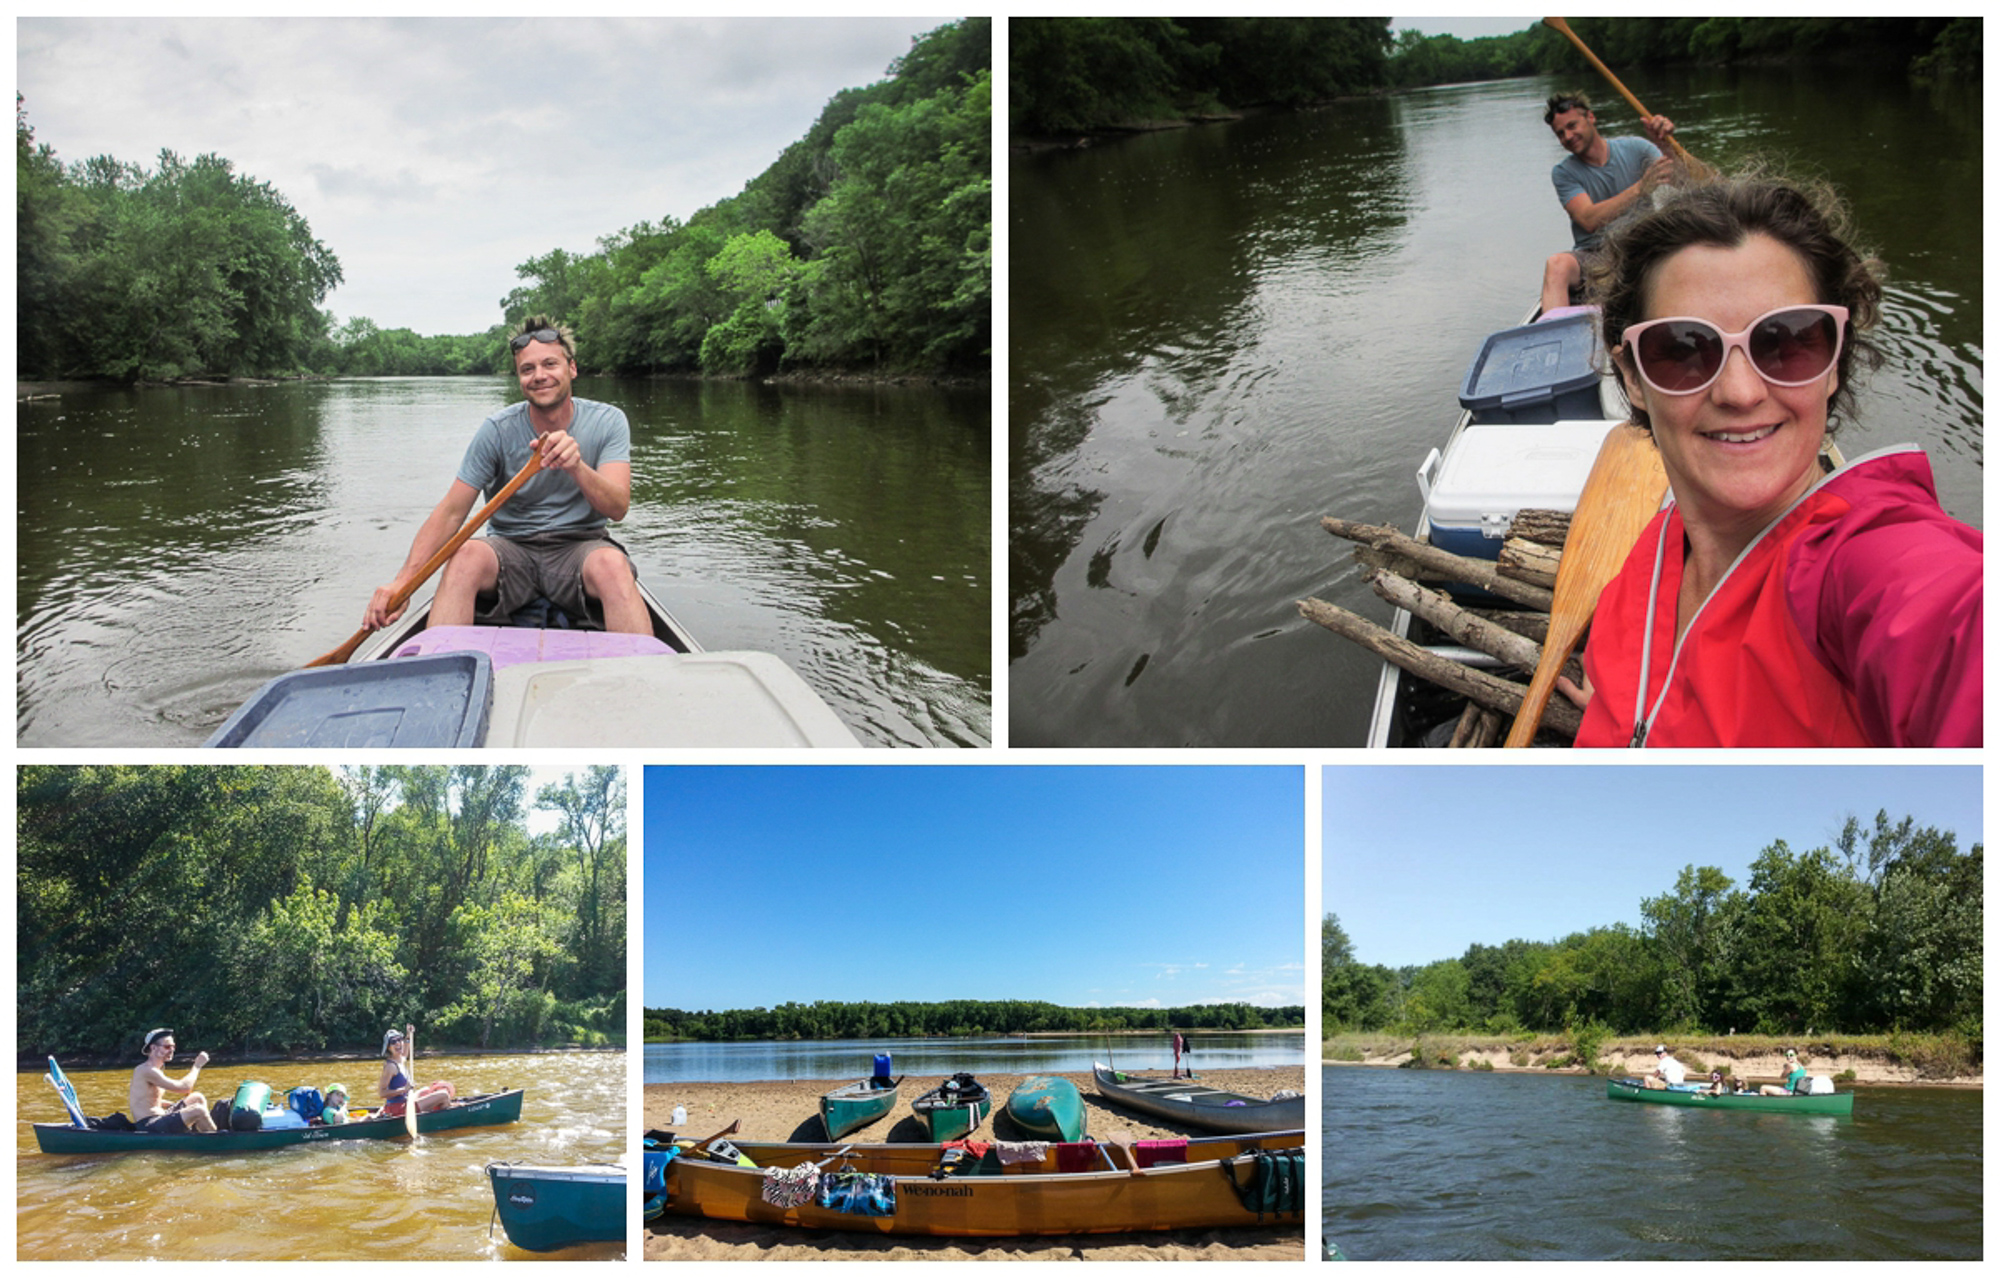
point(511, 645)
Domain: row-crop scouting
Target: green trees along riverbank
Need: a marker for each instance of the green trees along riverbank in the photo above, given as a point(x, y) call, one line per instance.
point(1881, 932)
point(1070, 75)
point(866, 247)
point(301, 908)
point(955, 1017)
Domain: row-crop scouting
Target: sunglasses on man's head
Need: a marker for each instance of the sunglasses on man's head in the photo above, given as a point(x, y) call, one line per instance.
point(520, 340)
point(1791, 346)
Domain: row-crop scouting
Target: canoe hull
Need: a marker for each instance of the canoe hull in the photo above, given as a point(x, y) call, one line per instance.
point(1193, 1104)
point(1838, 1105)
point(1029, 1199)
point(854, 1106)
point(951, 1118)
point(549, 1208)
point(476, 1111)
point(1048, 1106)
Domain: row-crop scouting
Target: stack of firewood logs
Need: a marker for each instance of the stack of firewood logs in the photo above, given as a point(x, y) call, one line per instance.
point(1399, 570)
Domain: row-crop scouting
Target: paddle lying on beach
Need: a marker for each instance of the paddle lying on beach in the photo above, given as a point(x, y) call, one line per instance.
point(1622, 493)
point(1695, 168)
point(339, 656)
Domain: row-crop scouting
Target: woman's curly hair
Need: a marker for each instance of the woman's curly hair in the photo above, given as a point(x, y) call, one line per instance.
point(1807, 216)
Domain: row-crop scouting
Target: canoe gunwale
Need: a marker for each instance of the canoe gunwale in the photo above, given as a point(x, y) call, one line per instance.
point(488, 1110)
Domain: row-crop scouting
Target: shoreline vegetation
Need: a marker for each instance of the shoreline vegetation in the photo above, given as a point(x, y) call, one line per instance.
point(278, 910)
point(954, 1018)
point(864, 250)
point(1865, 955)
point(235, 1060)
point(1072, 81)
point(1927, 1060)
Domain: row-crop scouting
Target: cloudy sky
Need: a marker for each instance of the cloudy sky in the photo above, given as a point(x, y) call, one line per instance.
point(433, 156)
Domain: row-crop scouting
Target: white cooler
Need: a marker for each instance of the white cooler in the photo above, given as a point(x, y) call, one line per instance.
point(1492, 473)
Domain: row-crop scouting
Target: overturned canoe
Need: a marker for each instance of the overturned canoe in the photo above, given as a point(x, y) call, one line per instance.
point(474, 1111)
point(1194, 1103)
point(1048, 1106)
point(549, 1208)
point(954, 1108)
point(907, 1189)
point(844, 1109)
point(1839, 1104)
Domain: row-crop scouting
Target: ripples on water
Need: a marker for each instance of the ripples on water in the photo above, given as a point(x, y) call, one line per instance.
point(341, 1200)
point(1220, 334)
point(179, 548)
point(1450, 1165)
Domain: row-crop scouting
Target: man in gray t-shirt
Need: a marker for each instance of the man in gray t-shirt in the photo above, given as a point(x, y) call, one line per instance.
point(1599, 182)
point(549, 539)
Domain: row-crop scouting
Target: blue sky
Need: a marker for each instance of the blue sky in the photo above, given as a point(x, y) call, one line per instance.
point(1128, 886)
point(1421, 862)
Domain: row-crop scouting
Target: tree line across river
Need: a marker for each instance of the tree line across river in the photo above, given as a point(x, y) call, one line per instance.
point(1071, 75)
point(959, 1018)
point(294, 909)
point(1882, 932)
point(866, 246)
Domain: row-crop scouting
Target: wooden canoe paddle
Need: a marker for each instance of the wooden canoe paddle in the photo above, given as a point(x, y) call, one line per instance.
point(1622, 493)
point(410, 1077)
point(1696, 170)
point(339, 656)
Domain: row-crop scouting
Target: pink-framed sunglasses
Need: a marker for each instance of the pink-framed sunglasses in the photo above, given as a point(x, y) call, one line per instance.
point(1791, 346)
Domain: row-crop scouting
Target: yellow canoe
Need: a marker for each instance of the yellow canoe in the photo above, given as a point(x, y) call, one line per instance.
point(987, 1197)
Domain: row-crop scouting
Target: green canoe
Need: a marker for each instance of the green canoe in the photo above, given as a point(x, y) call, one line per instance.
point(473, 1111)
point(549, 1208)
point(955, 1108)
point(856, 1105)
point(1049, 1107)
point(1839, 1104)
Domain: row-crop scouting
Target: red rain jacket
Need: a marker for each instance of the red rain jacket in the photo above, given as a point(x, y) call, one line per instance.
point(1854, 620)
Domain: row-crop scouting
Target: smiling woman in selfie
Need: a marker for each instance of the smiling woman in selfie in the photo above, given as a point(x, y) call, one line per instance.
point(1771, 603)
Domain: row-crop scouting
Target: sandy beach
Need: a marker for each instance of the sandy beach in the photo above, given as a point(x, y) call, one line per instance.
point(788, 1111)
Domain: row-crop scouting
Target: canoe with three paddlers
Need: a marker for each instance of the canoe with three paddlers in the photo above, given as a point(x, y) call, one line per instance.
point(1836, 1104)
point(993, 1189)
point(1193, 1103)
point(543, 681)
point(487, 1110)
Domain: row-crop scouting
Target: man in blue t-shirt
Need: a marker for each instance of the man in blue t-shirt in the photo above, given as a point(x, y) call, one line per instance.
point(1599, 182)
point(548, 540)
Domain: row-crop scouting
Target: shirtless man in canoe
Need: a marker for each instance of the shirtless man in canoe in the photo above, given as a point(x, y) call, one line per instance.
point(151, 1084)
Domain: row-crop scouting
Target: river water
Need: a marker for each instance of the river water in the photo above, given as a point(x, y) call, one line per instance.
point(1042, 1054)
point(1221, 334)
point(178, 547)
point(1457, 1165)
point(337, 1200)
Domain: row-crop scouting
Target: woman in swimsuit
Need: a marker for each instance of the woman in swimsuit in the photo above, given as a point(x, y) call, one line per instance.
point(394, 1087)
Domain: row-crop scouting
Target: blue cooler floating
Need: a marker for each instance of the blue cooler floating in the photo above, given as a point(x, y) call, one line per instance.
point(1535, 375)
point(436, 702)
